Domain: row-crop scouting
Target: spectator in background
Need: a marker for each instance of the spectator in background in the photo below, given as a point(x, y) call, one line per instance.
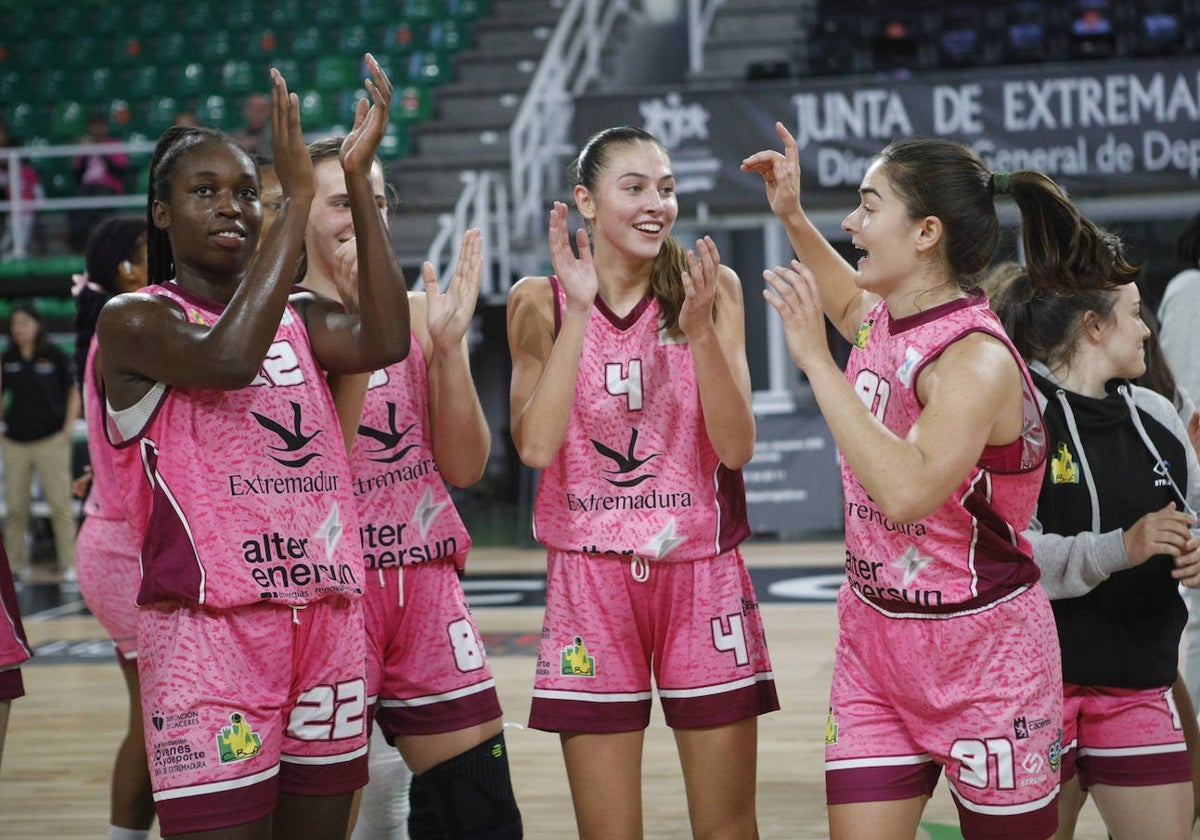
point(187, 117)
point(255, 134)
point(18, 228)
point(99, 173)
point(41, 405)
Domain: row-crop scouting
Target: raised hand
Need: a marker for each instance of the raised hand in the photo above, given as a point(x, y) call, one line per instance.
point(293, 165)
point(449, 314)
point(780, 173)
point(792, 292)
point(577, 274)
point(699, 287)
point(370, 122)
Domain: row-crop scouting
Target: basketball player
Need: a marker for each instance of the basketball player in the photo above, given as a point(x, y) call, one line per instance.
point(947, 655)
point(421, 426)
point(631, 392)
point(250, 637)
point(106, 550)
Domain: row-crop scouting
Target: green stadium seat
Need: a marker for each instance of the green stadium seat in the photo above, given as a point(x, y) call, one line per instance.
point(333, 13)
point(396, 142)
point(68, 122)
point(56, 83)
point(156, 18)
point(127, 50)
point(239, 77)
point(120, 115)
point(263, 44)
point(217, 46)
point(355, 39)
point(81, 52)
point(466, 9)
point(144, 82)
point(195, 16)
point(26, 120)
point(288, 12)
point(305, 42)
point(241, 15)
point(24, 22)
point(160, 114)
point(192, 79)
point(423, 11)
point(171, 50)
point(12, 86)
point(37, 54)
point(448, 35)
point(316, 109)
point(215, 110)
point(427, 67)
point(65, 21)
point(400, 38)
point(335, 72)
point(412, 103)
point(375, 11)
point(98, 84)
point(291, 69)
point(111, 18)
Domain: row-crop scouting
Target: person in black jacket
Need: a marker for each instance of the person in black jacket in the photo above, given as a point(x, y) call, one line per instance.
point(41, 405)
point(1112, 536)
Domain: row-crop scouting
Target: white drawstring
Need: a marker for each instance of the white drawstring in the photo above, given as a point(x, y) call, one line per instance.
point(639, 568)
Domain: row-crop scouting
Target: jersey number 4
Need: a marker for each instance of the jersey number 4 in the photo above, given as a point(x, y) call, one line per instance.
point(619, 384)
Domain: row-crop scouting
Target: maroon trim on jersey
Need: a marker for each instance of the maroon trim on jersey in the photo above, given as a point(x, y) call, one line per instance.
point(1000, 563)
point(851, 785)
point(1040, 823)
point(331, 778)
point(555, 288)
point(619, 322)
point(630, 319)
point(436, 718)
point(584, 716)
point(176, 572)
point(899, 325)
point(222, 809)
point(721, 709)
point(10, 615)
point(731, 507)
point(11, 684)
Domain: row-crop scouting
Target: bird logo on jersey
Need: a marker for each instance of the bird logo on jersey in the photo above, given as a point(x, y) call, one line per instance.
point(1062, 466)
point(238, 741)
point(293, 439)
point(389, 439)
point(576, 662)
point(625, 463)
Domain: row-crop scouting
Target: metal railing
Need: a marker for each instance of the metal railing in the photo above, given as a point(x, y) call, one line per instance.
point(18, 207)
point(700, 19)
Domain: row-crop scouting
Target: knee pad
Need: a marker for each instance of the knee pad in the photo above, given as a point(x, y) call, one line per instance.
point(471, 795)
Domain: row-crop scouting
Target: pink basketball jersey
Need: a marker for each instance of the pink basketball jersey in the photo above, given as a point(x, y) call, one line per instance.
point(104, 498)
point(248, 491)
point(636, 474)
point(970, 552)
point(405, 512)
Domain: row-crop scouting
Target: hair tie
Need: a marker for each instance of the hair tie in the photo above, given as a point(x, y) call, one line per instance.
point(999, 183)
point(79, 282)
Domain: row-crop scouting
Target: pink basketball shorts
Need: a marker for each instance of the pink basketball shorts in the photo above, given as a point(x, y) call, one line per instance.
point(978, 694)
point(1127, 737)
point(106, 559)
point(608, 618)
point(244, 703)
point(426, 663)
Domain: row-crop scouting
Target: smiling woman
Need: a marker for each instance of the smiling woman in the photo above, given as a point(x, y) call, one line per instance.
point(943, 450)
point(631, 391)
point(242, 592)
